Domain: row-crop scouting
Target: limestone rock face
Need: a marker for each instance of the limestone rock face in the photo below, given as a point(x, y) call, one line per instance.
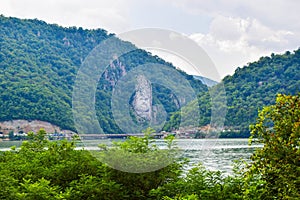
point(142, 103)
point(115, 71)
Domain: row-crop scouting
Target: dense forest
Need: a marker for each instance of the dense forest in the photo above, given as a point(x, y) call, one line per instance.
point(257, 84)
point(38, 67)
point(249, 89)
point(39, 63)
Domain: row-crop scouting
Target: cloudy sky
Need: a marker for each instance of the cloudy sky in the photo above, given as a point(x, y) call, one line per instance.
point(232, 32)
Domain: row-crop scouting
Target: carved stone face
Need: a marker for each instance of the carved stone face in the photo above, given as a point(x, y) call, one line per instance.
point(142, 103)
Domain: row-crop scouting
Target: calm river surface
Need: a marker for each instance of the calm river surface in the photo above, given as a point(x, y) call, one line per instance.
point(215, 154)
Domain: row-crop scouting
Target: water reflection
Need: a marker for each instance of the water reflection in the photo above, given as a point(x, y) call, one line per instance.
point(216, 154)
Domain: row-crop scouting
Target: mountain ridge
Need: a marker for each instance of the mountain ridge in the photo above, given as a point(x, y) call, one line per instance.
point(39, 62)
point(38, 67)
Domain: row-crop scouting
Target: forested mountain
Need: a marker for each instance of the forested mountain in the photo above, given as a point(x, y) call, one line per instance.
point(249, 89)
point(257, 84)
point(39, 63)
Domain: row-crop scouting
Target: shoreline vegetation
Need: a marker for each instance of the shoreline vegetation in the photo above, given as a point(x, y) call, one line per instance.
point(43, 169)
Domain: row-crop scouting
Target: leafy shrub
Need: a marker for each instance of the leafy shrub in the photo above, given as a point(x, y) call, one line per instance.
point(277, 164)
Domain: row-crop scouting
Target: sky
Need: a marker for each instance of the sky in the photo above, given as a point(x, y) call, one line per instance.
point(232, 32)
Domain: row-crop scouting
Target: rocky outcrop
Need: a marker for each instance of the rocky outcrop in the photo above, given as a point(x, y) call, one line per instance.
point(142, 102)
point(114, 72)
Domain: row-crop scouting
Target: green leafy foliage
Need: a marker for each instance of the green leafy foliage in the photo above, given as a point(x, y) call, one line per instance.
point(43, 169)
point(143, 153)
point(277, 164)
point(200, 183)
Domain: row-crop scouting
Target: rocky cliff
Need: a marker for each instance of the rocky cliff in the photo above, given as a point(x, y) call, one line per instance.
point(142, 103)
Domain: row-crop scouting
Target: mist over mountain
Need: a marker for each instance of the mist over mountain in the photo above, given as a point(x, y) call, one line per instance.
point(206, 81)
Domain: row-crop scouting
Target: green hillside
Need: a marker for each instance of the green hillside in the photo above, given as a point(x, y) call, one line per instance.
point(249, 89)
point(256, 85)
point(38, 67)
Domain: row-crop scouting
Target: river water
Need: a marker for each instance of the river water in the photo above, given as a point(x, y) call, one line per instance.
point(214, 154)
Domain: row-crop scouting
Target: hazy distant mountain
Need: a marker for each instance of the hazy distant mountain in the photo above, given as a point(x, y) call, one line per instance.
point(206, 81)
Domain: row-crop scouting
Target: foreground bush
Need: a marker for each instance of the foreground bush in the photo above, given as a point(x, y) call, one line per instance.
point(53, 170)
point(41, 169)
point(277, 164)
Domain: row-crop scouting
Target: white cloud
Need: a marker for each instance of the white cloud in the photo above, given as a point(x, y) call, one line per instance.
point(242, 31)
point(109, 15)
point(6, 8)
point(233, 42)
point(279, 14)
